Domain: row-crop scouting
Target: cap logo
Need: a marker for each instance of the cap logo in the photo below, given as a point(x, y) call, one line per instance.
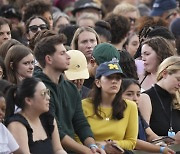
point(113, 66)
point(78, 66)
point(156, 5)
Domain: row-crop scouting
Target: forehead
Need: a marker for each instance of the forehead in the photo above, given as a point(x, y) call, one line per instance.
point(47, 14)
point(146, 47)
point(40, 86)
point(131, 14)
point(4, 27)
point(28, 57)
point(36, 21)
point(133, 87)
point(60, 47)
point(86, 35)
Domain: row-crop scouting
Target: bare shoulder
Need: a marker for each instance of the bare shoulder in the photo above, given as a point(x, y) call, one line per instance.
point(16, 126)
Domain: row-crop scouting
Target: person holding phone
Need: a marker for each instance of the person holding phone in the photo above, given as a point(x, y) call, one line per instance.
point(160, 104)
point(131, 90)
point(111, 118)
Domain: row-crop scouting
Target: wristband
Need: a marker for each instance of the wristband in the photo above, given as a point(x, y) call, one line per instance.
point(103, 147)
point(162, 149)
point(93, 146)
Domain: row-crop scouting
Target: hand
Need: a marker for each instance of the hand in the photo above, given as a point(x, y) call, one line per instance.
point(110, 149)
point(78, 83)
point(177, 138)
point(98, 150)
point(168, 151)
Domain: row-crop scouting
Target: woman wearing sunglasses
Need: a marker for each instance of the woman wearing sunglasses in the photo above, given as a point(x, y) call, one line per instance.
point(34, 25)
point(34, 129)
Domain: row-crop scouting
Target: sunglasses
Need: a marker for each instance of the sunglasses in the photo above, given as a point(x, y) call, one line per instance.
point(35, 28)
point(173, 14)
point(132, 20)
point(45, 92)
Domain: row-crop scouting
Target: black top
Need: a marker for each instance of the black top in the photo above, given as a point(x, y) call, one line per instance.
point(40, 146)
point(160, 118)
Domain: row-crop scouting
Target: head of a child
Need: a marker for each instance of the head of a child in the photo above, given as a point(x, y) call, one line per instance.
point(2, 107)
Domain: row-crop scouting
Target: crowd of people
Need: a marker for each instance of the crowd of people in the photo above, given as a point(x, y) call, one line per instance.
point(89, 76)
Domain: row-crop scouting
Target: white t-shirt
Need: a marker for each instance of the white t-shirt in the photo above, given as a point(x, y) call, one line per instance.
point(7, 142)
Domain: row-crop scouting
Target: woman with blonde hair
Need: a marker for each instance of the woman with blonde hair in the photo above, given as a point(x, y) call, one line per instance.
point(84, 40)
point(161, 106)
point(129, 11)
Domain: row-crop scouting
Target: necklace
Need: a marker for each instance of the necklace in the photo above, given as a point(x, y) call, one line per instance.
point(105, 116)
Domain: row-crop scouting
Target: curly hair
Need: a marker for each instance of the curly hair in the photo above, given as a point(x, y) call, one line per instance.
point(120, 27)
point(38, 7)
point(128, 65)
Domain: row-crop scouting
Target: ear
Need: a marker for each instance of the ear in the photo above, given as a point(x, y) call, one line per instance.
point(164, 74)
point(48, 59)
point(11, 65)
point(28, 101)
point(98, 83)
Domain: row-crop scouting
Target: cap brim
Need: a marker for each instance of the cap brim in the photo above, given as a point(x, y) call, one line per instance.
point(71, 75)
point(114, 72)
point(156, 13)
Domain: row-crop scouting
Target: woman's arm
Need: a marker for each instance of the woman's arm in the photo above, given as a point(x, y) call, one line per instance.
point(148, 147)
point(19, 132)
point(57, 147)
point(151, 135)
point(145, 107)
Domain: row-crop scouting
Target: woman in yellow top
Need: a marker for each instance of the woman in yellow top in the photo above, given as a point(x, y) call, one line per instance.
point(111, 117)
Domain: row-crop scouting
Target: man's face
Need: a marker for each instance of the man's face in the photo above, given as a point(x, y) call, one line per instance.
point(86, 43)
point(60, 59)
point(5, 33)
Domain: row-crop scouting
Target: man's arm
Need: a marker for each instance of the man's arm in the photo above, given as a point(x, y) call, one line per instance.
point(70, 144)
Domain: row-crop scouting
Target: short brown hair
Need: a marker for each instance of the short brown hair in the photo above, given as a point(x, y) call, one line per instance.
point(46, 46)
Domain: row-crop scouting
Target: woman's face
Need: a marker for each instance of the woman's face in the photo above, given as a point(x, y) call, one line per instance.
point(149, 58)
point(48, 16)
point(62, 22)
point(172, 82)
point(132, 93)
point(86, 43)
point(2, 108)
point(36, 25)
point(133, 45)
point(25, 67)
point(40, 101)
point(109, 84)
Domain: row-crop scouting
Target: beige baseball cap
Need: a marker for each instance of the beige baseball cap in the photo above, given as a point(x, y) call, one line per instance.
point(78, 66)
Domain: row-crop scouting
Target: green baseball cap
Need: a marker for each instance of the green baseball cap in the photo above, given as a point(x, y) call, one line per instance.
point(105, 52)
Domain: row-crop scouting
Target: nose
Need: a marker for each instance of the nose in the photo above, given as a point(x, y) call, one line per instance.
point(68, 57)
point(31, 66)
point(6, 36)
point(89, 44)
point(135, 98)
point(143, 57)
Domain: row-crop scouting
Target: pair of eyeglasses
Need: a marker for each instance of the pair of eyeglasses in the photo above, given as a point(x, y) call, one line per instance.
point(132, 20)
point(173, 14)
point(45, 92)
point(35, 28)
